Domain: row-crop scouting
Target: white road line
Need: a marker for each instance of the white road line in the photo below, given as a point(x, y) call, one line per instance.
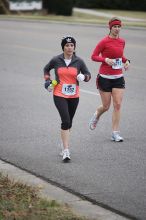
point(89, 92)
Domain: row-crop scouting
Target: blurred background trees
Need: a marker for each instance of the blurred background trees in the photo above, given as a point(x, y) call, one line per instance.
point(133, 5)
point(64, 7)
point(59, 7)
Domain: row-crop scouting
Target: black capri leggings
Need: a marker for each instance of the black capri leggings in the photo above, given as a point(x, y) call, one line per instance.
point(66, 108)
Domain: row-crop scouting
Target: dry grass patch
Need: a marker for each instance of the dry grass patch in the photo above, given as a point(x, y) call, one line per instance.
point(21, 202)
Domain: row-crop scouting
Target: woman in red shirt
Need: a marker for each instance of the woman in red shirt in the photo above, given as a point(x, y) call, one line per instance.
point(69, 71)
point(110, 80)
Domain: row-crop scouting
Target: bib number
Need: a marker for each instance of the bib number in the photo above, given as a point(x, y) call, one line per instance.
point(69, 89)
point(117, 64)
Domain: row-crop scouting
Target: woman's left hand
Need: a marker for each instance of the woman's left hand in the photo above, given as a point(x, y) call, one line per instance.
point(80, 77)
point(126, 65)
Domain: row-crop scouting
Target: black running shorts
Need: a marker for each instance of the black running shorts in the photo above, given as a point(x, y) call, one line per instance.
point(107, 85)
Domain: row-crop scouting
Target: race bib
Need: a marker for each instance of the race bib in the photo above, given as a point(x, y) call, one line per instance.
point(69, 89)
point(117, 63)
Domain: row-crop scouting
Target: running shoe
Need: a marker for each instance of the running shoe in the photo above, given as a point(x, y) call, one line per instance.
point(116, 137)
point(66, 155)
point(93, 121)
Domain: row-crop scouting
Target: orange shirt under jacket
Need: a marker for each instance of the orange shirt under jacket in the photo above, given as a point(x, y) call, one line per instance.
point(66, 76)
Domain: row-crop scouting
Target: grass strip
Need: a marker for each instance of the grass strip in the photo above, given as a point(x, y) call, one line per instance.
point(85, 18)
point(21, 202)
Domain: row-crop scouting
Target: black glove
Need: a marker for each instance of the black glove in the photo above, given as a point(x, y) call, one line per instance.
point(47, 84)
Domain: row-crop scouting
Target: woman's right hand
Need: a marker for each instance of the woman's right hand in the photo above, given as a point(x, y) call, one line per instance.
point(47, 84)
point(109, 61)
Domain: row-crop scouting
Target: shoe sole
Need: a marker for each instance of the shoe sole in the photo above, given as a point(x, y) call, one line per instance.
point(90, 123)
point(67, 159)
point(112, 139)
point(92, 128)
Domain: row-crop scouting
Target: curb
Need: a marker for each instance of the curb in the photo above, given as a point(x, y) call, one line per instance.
point(51, 192)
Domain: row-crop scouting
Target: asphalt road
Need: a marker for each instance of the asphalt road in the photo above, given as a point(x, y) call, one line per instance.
point(110, 174)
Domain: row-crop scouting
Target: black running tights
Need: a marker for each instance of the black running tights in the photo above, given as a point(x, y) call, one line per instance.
point(66, 108)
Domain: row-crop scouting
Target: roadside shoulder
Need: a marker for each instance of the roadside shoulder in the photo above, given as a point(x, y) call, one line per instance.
point(51, 192)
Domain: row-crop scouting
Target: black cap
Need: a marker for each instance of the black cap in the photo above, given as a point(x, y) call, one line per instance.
point(67, 39)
